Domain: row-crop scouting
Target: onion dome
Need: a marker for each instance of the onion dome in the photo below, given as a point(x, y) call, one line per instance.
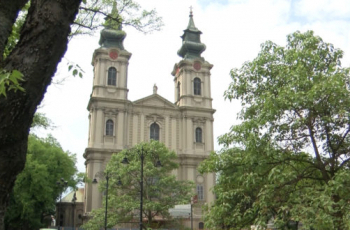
point(110, 36)
point(191, 43)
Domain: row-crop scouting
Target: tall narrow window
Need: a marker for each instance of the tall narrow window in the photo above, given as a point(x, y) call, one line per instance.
point(178, 91)
point(154, 132)
point(197, 86)
point(200, 225)
point(198, 135)
point(61, 219)
point(112, 76)
point(109, 127)
point(200, 192)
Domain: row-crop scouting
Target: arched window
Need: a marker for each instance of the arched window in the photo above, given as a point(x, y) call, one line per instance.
point(109, 127)
point(112, 76)
point(178, 91)
point(198, 135)
point(200, 192)
point(197, 86)
point(154, 132)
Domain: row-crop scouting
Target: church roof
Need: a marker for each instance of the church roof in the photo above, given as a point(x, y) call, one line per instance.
point(113, 35)
point(155, 100)
point(191, 44)
point(112, 38)
point(79, 194)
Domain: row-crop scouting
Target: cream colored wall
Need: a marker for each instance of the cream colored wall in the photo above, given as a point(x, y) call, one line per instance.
point(106, 102)
point(138, 121)
point(133, 119)
point(186, 75)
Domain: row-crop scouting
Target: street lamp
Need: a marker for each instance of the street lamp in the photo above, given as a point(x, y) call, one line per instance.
point(74, 199)
point(63, 184)
point(142, 157)
point(107, 179)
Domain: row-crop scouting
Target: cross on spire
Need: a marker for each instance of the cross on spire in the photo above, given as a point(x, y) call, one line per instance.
point(191, 12)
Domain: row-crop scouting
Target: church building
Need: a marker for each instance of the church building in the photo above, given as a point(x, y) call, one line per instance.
point(184, 125)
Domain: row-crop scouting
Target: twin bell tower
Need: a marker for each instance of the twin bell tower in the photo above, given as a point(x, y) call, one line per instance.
point(184, 125)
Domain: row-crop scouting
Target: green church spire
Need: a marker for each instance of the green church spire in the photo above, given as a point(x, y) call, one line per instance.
point(113, 35)
point(191, 43)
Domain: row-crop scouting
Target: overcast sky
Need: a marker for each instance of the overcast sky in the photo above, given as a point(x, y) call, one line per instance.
point(232, 31)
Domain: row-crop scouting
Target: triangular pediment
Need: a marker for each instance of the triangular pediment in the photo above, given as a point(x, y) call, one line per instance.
point(156, 101)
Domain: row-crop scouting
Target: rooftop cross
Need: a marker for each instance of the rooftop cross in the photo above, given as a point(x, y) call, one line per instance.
point(191, 12)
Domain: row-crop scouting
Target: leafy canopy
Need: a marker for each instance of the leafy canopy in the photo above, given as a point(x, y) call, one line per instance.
point(161, 190)
point(287, 162)
point(35, 191)
point(113, 13)
point(41, 121)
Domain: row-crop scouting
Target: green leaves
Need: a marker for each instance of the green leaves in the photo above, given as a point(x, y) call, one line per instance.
point(75, 69)
point(10, 81)
point(110, 13)
point(15, 33)
point(40, 120)
point(35, 191)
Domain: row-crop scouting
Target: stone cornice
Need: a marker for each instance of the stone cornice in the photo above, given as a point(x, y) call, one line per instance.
point(190, 108)
point(101, 151)
point(191, 159)
point(95, 99)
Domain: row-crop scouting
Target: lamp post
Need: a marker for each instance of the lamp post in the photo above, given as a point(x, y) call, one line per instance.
point(107, 179)
point(73, 213)
point(61, 183)
point(142, 157)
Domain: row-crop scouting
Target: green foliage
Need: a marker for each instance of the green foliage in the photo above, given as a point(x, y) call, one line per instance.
point(161, 189)
point(41, 121)
point(288, 159)
point(16, 29)
point(114, 13)
point(75, 69)
point(10, 81)
point(35, 191)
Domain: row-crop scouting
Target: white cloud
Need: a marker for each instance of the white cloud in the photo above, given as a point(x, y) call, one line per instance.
point(323, 10)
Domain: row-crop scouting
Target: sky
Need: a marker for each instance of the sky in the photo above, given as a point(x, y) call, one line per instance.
point(233, 31)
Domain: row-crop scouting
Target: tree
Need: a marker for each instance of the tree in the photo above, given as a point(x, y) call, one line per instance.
point(35, 192)
point(40, 45)
point(41, 121)
point(161, 189)
point(288, 161)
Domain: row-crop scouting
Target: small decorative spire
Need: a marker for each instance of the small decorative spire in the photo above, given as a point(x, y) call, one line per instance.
point(114, 7)
point(191, 12)
point(155, 89)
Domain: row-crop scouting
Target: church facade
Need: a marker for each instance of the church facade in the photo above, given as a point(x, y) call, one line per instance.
point(116, 123)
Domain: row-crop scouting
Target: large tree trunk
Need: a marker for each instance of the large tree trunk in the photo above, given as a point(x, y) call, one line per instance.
point(43, 42)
